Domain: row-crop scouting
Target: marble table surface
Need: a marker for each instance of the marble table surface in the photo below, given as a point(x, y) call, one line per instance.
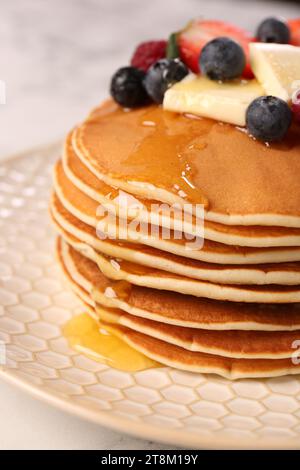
point(56, 60)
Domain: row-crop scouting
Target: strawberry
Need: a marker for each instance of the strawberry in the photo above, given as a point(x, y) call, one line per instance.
point(197, 33)
point(294, 26)
point(147, 53)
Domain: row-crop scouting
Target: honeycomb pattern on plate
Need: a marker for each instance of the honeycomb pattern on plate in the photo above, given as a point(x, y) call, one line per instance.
point(185, 409)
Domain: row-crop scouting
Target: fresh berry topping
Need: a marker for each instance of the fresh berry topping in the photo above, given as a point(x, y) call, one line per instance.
point(268, 118)
point(172, 47)
point(163, 74)
point(193, 38)
point(147, 53)
point(296, 106)
point(294, 26)
point(273, 30)
point(222, 59)
point(127, 87)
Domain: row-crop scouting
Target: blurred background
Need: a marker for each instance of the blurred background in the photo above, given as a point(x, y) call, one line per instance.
point(57, 56)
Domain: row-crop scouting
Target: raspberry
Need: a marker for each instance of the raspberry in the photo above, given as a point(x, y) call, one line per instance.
point(147, 53)
point(296, 106)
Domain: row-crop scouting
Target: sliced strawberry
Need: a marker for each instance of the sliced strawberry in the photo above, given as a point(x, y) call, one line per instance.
point(294, 26)
point(197, 33)
point(147, 53)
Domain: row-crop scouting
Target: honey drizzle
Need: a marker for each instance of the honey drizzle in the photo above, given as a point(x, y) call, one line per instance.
point(159, 155)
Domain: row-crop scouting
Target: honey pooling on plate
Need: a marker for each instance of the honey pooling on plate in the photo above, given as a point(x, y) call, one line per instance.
point(98, 342)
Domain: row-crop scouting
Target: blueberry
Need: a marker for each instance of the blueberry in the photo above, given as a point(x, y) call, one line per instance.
point(222, 59)
point(163, 74)
point(268, 118)
point(273, 30)
point(127, 87)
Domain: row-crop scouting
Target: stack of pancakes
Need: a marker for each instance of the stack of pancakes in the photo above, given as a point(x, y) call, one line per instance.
point(229, 306)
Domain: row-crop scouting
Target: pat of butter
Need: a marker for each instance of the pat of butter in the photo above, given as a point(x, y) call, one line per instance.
point(226, 101)
point(277, 68)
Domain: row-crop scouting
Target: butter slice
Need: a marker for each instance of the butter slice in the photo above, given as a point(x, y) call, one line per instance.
point(225, 102)
point(277, 68)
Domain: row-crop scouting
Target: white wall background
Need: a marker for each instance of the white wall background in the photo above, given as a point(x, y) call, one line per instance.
point(56, 57)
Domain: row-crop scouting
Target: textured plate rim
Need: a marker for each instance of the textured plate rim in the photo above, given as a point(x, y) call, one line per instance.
point(139, 430)
point(146, 431)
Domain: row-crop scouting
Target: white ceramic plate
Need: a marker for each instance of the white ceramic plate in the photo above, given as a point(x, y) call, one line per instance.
point(182, 409)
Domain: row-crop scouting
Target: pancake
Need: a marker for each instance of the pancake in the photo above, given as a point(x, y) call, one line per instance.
point(181, 358)
point(145, 151)
point(210, 252)
point(126, 205)
point(121, 270)
point(235, 344)
point(254, 236)
point(276, 273)
point(173, 308)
